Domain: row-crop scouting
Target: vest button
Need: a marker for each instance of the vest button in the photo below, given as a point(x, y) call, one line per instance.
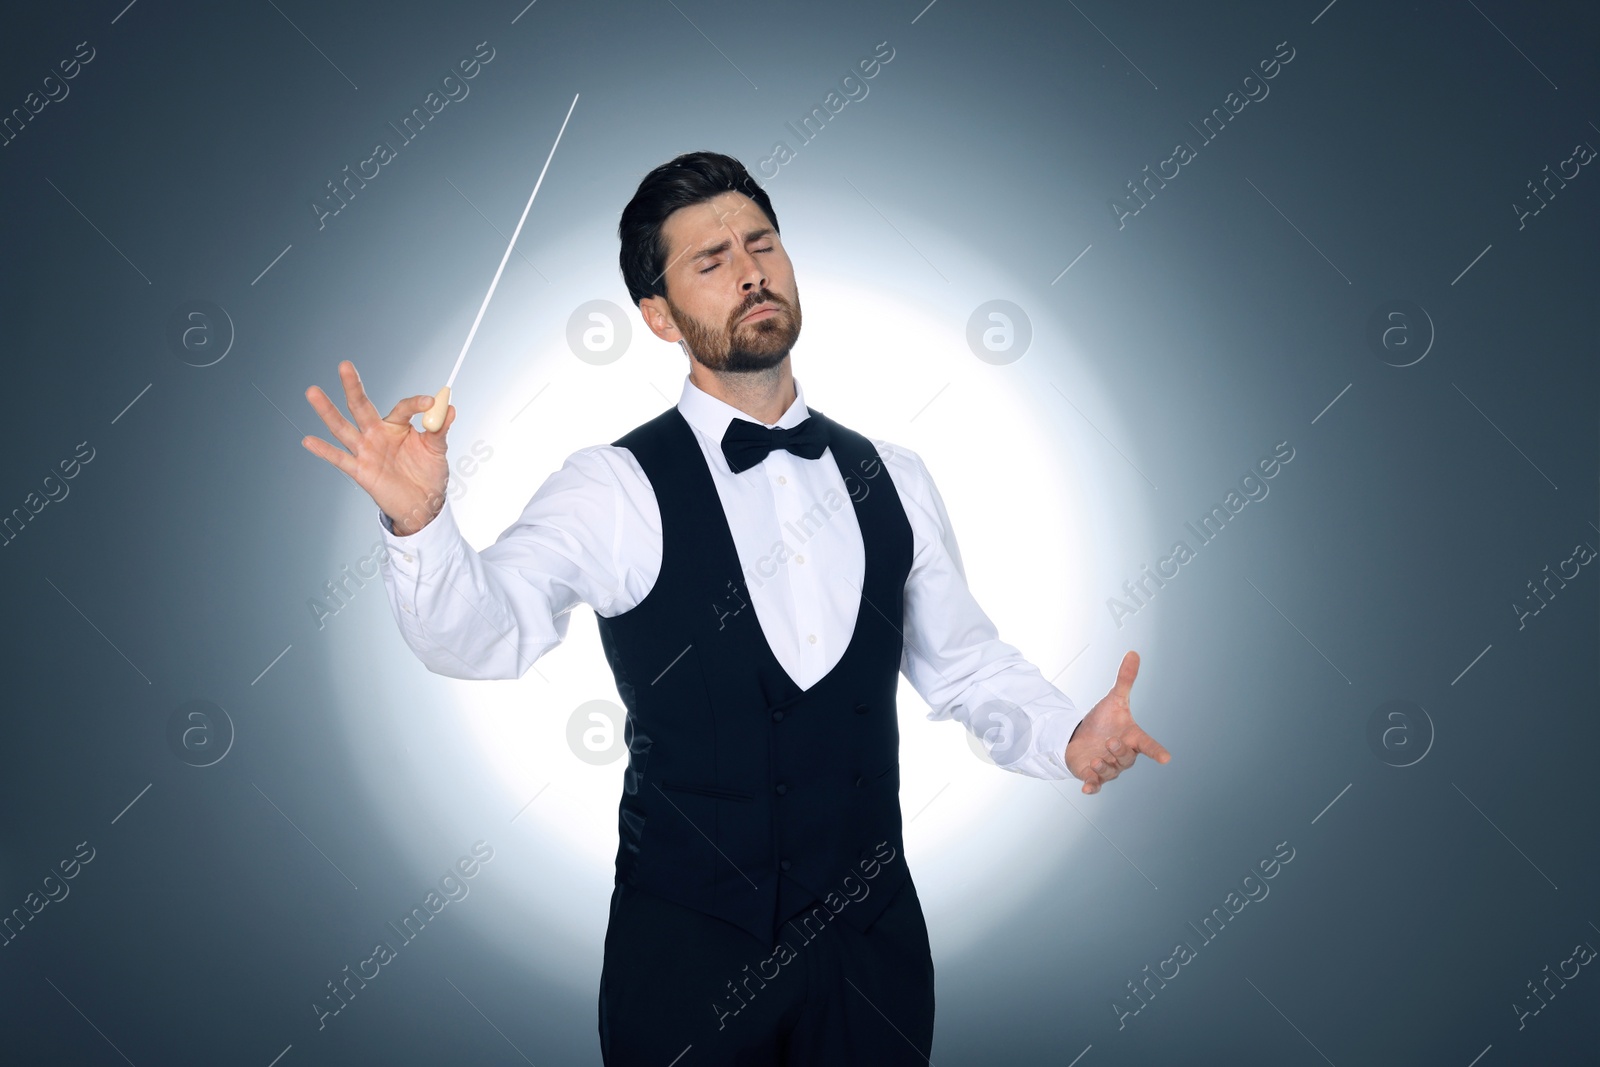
point(861, 779)
point(861, 709)
point(777, 716)
point(781, 788)
point(784, 864)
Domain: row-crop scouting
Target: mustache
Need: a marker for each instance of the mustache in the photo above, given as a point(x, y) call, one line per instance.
point(766, 296)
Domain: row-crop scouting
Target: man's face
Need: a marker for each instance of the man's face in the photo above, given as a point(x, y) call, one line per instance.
point(731, 292)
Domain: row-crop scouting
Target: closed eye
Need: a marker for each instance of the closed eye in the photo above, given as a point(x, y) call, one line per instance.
point(714, 266)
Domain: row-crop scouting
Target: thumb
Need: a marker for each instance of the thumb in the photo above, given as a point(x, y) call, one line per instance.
point(1126, 673)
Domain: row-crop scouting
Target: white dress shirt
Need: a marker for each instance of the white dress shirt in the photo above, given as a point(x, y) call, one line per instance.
point(592, 534)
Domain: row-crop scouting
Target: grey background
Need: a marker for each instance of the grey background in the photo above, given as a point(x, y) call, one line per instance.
point(1227, 315)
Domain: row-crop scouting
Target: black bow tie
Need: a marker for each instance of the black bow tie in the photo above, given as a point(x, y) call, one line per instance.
point(747, 443)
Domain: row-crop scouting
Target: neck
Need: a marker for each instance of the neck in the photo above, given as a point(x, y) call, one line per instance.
point(763, 395)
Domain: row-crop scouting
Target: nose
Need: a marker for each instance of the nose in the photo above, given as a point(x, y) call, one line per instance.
point(751, 275)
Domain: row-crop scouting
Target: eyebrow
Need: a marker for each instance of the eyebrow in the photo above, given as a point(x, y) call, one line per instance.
point(723, 245)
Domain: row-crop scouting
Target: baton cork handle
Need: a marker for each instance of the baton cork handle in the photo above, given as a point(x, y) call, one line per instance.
point(434, 417)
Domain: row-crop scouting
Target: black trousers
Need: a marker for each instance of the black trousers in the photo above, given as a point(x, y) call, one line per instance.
point(683, 989)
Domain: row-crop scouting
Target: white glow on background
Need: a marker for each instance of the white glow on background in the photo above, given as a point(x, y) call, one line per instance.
point(1040, 506)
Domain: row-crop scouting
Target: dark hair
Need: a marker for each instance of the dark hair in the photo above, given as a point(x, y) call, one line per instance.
point(691, 178)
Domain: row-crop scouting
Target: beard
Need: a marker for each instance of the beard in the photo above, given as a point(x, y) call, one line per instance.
point(736, 347)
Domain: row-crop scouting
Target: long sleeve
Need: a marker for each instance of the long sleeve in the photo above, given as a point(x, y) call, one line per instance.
point(954, 656)
point(491, 614)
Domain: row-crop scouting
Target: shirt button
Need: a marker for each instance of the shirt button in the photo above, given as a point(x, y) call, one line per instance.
point(799, 559)
point(782, 480)
point(781, 788)
point(784, 864)
point(812, 638)
point(406, 608)
point(777, 716)
point(407, 557)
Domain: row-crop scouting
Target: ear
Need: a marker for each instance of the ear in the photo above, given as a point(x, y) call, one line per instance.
point(654, 311)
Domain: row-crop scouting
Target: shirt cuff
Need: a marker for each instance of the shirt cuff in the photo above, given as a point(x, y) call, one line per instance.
point(422, 552)
point(1052, 736)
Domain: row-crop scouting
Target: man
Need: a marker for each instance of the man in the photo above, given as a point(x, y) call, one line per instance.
point(761, 575)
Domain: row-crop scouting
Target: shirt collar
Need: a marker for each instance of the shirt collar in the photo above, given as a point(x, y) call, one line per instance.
point(711, 416)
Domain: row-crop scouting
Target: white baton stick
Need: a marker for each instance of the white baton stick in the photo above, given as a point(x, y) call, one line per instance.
point(434, 417)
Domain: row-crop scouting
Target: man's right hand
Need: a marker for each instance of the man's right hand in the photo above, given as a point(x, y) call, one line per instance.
point(403, 469)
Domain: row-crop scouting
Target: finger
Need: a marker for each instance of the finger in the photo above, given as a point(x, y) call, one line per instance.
point(1104, 770)
point(1126, 673)
point(338, 457)
point(346, 434)
point(1091, 780)
point(434, 440)
point(362, 410)
point(408, 408)
point(1123, 753)
point(1151, 747)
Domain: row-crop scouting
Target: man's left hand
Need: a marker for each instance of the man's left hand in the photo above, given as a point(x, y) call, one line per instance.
point(1107, 741)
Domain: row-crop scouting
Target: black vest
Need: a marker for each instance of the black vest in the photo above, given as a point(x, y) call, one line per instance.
point(746, 797)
